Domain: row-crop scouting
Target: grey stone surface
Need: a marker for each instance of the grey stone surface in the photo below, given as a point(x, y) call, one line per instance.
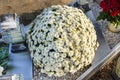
point(21, 64)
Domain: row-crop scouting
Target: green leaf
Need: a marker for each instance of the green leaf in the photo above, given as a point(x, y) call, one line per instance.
point(106, 15)
point(3, 56)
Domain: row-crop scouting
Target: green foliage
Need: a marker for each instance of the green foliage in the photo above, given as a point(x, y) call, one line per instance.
point(115, 20)
point(3, 56)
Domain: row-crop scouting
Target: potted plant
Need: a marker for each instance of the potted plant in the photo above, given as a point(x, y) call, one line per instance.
point(111, 13)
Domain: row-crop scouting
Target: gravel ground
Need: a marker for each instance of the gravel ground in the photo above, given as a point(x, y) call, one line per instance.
point(111, 38)
point(40, 76)
point(27, 6)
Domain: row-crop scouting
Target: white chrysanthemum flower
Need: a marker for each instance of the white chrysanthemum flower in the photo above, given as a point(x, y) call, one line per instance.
point(62, 39)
